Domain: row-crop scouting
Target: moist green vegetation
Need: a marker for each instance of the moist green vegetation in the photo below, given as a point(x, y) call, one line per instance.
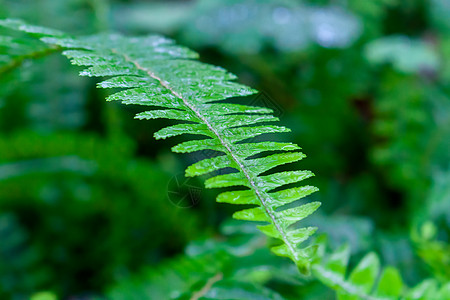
point(91, 206)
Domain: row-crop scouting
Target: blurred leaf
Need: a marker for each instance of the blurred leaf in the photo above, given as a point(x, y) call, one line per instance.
point(434, 252)
point(390, 283)
point(439, 10)
point(247, 26)
point(362, 281)
point(210, 270)
point(44, 296)
point(405, 54)
point(74, 182)
point(163, 17)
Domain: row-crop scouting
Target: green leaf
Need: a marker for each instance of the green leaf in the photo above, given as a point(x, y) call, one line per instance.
point(197, 145)
point(227, 180)
point(261, 165)
point(360, 284)
point(239, 197)
point(292, 215)
point(276, 180)
point(167, 114)
point(290, 195)
point(209, 165)
point(241, 133)
point(424, 290)
point(257, 214)
point(338, 261)
point(444, 292)
point(365, 273)
point(179, 129)
point(390, 283)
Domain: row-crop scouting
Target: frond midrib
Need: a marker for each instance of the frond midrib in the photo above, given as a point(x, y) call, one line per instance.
point(225, 144)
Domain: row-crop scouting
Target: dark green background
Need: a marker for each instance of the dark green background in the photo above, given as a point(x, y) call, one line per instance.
point(364, 86)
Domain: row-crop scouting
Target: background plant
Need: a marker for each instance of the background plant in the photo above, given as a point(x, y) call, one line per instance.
point(375, 132)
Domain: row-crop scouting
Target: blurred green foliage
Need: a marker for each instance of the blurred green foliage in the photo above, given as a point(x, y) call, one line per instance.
point(364, 86)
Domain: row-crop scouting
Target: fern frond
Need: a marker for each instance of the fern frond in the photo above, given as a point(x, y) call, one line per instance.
point(366, 281)
point(233, 266)
point(182, 273)
point(157, 73)
point(213, 275)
